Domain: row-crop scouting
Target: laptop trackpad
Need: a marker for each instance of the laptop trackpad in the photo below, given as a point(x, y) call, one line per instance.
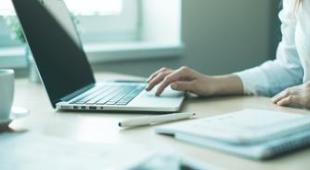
point(169, 98)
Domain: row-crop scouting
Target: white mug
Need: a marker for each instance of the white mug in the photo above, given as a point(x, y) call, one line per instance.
point(6, 93)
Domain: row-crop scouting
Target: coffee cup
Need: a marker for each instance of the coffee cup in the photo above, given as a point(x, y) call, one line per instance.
point(6, 93)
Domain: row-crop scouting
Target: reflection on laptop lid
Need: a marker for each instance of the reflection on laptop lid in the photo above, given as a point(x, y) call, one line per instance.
point(56, 47)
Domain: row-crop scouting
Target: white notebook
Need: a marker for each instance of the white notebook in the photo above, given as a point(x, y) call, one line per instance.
point(257, 134)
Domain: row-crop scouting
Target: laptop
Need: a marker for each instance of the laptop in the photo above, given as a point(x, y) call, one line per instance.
point(66, 72)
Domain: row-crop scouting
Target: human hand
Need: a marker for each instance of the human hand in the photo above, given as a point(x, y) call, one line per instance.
point(298, 96)
point(182, 79)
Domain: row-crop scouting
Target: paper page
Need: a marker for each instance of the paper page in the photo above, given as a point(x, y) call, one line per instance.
point(249, 120)
point(237, 126)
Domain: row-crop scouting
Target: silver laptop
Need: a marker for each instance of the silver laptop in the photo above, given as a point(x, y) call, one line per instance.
point(66, 73)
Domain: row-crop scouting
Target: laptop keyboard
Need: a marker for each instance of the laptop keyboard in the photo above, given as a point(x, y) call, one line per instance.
point(110, 95)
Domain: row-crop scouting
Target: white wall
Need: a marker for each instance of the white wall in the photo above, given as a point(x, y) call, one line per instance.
point(224, 36)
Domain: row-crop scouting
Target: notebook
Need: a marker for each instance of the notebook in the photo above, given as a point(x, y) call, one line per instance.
point(256, 134)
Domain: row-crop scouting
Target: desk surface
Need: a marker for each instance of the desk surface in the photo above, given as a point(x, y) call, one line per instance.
point(102, 127)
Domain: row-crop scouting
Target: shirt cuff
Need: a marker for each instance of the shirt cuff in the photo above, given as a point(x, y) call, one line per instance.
point(254, 81)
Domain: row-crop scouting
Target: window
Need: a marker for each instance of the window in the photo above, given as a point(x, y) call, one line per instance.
point(102, 7)
point(111, 30)
point(6, 9)
point(99, 21)
point(106, 20)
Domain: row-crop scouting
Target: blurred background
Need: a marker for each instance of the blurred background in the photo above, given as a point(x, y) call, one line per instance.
point(140, 36)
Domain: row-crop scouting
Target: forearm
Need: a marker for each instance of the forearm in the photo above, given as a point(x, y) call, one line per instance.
point(227, 85)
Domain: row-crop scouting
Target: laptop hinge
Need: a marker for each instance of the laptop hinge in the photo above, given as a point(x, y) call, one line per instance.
point(77, 92)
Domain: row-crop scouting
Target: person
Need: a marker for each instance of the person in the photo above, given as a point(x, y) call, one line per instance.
point(286, 79)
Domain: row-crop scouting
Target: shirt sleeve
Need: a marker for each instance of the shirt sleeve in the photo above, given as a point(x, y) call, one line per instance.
point(286, 70)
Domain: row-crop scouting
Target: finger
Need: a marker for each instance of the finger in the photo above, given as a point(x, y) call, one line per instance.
point(286, 93)
point(289, 100)
point(156, 80)
point(280, 96)
point(175, 76)
point(156, 73)
point(182, 86)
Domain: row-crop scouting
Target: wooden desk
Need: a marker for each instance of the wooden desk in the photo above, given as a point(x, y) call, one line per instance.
point(102, 127)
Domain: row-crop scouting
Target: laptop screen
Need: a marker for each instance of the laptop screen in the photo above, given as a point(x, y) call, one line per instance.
point(56, 47)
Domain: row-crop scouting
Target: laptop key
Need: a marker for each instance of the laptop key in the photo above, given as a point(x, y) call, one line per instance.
point(88, 96)
point(78, 102)
point(121, 103)
point(110, 103)
point(113, 95)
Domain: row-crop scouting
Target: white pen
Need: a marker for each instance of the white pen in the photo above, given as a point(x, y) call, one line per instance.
point(152, 120)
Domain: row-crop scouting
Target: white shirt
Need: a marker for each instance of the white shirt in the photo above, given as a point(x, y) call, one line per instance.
point(292, 64)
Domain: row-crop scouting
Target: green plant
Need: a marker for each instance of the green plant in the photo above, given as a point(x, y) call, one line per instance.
point(17, 31)
point(15, 28)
